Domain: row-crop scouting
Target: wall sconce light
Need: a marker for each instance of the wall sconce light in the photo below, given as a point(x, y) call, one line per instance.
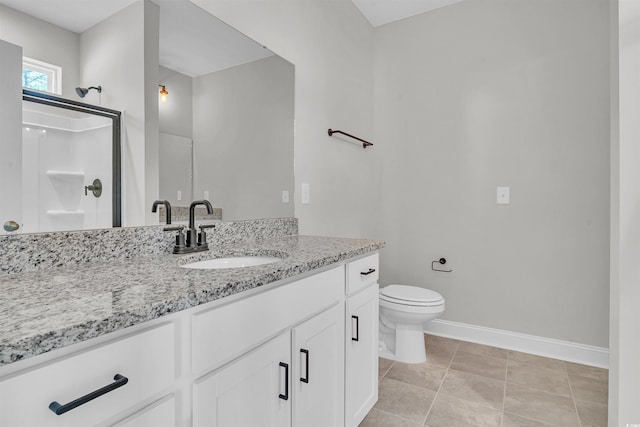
point(163, 93)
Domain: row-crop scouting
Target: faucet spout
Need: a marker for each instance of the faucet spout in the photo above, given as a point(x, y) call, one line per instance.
point(167, 207)
point(194, 244)
point(192, 211)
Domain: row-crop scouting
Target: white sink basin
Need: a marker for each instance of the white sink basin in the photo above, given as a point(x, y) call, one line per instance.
point(232, 262)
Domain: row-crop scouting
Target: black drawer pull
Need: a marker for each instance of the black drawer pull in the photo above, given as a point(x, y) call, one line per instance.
point(357, 338)
point(118, 381)
point(306, 369)
point(366, 273)
point(285, 396)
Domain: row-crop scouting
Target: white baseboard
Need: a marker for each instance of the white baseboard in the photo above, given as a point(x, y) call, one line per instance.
point(548, 347)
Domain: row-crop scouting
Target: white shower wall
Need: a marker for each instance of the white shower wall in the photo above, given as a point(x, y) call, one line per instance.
point(62, 153)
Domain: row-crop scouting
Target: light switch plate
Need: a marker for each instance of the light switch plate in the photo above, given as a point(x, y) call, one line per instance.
point(285, 196)
point(305, 193)
point(206, 195)
point(503, 195)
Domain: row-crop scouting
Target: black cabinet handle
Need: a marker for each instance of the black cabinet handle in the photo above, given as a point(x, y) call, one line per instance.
point(306, 369)
point(357, 338)
point(118, 381)
point(285, 396)
point(366, 273)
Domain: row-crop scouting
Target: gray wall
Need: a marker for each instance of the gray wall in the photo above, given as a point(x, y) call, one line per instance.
point(176, 114)
point(10, 133)
point(489, 93)
point(121, 54)
point(331, 45)
point(45, 42)
point(176, 132)
point(243, 139)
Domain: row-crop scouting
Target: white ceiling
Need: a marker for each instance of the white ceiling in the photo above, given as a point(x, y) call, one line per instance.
point(192, 41)
point(380, 12)
point(74, 15)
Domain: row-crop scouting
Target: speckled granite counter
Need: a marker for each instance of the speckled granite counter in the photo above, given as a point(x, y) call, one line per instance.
point(44, 310)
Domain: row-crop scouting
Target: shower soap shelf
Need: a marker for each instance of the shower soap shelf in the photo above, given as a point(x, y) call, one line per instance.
point(64, 174)
point(64, 213)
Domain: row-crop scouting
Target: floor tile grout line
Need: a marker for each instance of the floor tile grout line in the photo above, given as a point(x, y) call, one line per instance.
point(504, 394)
point(473, 374)
point(483, 355)
point(393, 362)
point(573, 398)
point(391, 414)
point(458, 350)
point(441, 383)
point(396, 414)
point(534, 419)
point(544, 392)
point(539, 390)
point(504, 391)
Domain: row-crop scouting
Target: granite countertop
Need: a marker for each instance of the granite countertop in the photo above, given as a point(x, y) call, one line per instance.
point(53, 308)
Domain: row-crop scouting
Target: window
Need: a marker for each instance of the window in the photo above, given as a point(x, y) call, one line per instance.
point(38, 75)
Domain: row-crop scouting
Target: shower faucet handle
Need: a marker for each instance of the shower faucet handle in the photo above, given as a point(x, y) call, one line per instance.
point(95, 188)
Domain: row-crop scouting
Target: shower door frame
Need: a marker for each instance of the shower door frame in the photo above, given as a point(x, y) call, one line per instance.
point(116, 158)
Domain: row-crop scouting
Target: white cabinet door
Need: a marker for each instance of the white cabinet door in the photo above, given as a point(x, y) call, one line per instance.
point(252, 391)
point(158, 414)
point(361, 371)
point(318, 374)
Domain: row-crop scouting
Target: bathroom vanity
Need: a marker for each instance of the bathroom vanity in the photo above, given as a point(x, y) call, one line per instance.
point(289, 343)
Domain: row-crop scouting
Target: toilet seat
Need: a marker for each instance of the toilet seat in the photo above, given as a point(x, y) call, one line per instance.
point(411, 295)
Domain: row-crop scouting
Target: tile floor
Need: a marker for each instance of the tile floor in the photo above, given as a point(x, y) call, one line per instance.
point(466, 384)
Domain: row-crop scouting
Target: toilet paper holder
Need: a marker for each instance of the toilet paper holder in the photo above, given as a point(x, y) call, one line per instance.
point(441, 261)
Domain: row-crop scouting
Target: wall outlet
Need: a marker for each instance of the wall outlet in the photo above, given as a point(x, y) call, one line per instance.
point(285, 196)
point(179, 195)
point(206, 195)
point(305, 194)
point(503, 195)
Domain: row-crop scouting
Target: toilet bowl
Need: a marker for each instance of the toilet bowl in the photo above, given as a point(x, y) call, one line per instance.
point(403, 312)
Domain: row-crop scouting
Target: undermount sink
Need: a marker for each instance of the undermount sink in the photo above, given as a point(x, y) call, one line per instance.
point(232, 262)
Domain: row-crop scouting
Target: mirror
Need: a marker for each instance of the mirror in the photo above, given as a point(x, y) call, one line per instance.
point(226, 128)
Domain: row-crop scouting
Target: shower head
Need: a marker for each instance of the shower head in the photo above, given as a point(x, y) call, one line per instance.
point(82, 91)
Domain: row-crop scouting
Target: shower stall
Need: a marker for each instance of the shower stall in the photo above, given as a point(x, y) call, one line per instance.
point(70, 173)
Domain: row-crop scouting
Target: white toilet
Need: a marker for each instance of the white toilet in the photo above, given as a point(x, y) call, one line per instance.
point(403, 312)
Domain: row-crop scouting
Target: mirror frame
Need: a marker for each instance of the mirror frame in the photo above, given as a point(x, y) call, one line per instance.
point(116, 132)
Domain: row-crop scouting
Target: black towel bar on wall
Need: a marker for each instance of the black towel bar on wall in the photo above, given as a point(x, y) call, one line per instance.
point(365, 144)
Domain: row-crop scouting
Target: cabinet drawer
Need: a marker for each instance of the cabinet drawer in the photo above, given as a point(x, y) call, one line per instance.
point(159, 414)
point(223, 333)
point(361, 273)
point(146, 359)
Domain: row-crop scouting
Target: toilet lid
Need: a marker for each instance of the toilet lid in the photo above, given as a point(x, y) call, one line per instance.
point(410, 294)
